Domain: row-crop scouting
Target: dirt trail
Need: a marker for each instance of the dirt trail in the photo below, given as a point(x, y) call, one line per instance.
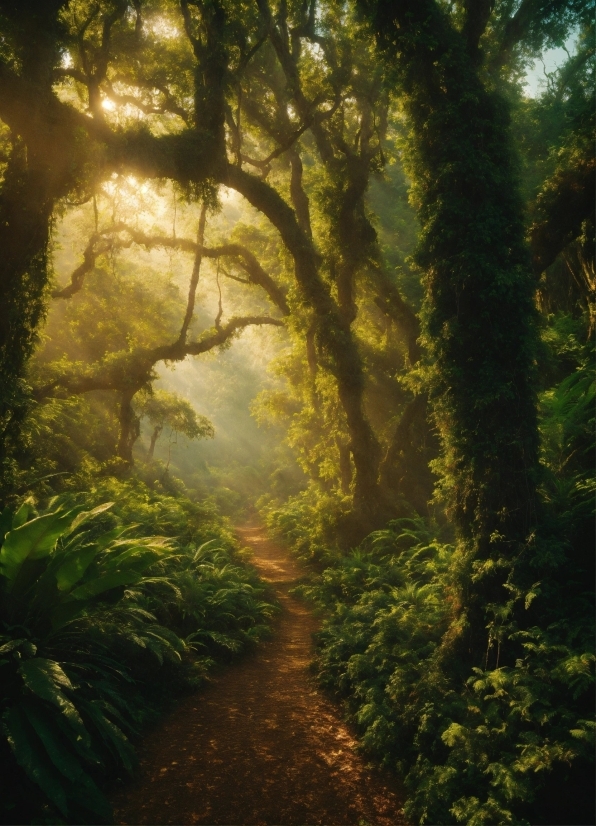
point(261, 745)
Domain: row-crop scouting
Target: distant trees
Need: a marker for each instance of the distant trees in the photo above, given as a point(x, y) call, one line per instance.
point(163, 409)
point(288, 105)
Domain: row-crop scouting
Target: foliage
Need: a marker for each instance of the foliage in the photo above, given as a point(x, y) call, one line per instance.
point(217, 605)
point(396, 181)
point(94, 616)
point(493, 743)
point(164, 409)
point(311, 521)
point(64, 709)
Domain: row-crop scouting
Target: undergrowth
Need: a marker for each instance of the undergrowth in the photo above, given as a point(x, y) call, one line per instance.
point(511, 739)
point(102, 623)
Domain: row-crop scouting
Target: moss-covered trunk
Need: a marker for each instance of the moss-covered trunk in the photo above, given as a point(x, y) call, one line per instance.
point(333, 335)
point(32, 181)
point(479, 313)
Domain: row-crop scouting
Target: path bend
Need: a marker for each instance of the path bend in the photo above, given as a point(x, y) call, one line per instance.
point(260, 745)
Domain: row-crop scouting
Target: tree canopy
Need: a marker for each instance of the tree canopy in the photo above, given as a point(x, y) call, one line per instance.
point(366, 191)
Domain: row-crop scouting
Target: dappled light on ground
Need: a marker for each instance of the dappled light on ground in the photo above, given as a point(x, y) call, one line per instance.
point(261, 745)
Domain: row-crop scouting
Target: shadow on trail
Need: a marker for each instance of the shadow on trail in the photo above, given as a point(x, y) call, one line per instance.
point(261, 745)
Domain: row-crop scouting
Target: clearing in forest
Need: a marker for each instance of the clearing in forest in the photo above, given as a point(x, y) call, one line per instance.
point(261, 745)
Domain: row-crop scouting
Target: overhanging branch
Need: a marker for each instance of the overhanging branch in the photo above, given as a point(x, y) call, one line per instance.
point(135, 369)
point(100, 243)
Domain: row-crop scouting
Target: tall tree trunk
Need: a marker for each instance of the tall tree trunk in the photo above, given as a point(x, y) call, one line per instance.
point(32, 181)
point(154, 437)
point(333, 335)
point(480, 315)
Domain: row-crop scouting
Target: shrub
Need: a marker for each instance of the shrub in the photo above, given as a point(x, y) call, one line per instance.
point(92, 615)
point(476, 748)
point(64, 710)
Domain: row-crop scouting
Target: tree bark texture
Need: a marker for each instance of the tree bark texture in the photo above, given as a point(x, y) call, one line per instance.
point(479, 312)
point(34, 178)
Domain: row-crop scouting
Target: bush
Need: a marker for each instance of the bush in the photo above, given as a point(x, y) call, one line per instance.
point(93, 614)
point(312, 522)
point(499, 742)
point(474, 749)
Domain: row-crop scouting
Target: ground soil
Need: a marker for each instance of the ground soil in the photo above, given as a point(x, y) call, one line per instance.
point(261, 744)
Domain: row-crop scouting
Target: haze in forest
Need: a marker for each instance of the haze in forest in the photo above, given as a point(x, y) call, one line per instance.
point(313, 281)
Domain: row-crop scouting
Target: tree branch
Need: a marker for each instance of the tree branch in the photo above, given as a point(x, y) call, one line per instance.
point(135, 369)
point(92, 251)
point(245, 259)
point(194, 279)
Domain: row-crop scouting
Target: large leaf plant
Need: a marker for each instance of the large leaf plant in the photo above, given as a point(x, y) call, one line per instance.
point(66, 629)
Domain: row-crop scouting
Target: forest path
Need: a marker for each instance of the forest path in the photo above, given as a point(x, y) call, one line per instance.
point(261, 744)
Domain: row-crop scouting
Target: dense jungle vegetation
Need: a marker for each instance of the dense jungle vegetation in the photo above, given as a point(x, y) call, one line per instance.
point(331, 263)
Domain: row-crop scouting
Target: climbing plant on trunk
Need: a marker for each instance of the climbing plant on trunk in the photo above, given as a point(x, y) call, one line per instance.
point(479, 317)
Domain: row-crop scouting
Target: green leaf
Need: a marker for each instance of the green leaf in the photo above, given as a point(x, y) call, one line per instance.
point(114, 579)
point(85, 515)
point(107, 538)
point(46, 679)
point(36, 744)
point(33, 540)
point(138, 558)
point(53, 740)
point(31, 756)
point(74, 566)
point(11, 645)
point(21, 515)
point(112, 736)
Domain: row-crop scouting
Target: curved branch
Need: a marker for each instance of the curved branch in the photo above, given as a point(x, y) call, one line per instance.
point(168, 105)
point(245, 259)
point(333, 335)
point(234, 326)
point(92, 252)
point(135, 369)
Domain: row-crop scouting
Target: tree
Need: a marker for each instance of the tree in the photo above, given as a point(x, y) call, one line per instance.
point(480, 318)
point(115, 57)
point(163, 409)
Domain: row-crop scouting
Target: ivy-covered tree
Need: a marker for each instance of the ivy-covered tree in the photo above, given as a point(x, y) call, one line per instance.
point(451, 68)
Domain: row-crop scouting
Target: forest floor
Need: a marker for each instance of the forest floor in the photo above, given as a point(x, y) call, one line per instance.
point(261, 744)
